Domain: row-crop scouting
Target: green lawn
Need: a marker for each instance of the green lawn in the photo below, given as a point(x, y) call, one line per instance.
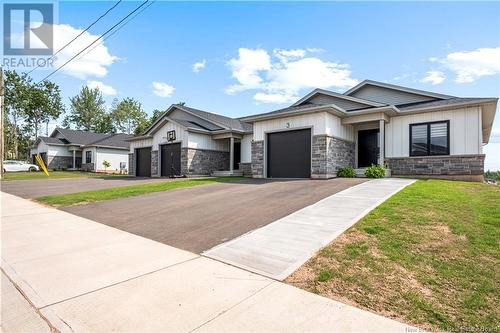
point(428, 256)
point(52, 175)
point(127, 191)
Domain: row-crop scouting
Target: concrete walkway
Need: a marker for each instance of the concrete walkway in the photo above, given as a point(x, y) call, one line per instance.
point(82, 276)
point(278, 249)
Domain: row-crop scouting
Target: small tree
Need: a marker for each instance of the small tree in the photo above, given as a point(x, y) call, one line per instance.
point(106, 165)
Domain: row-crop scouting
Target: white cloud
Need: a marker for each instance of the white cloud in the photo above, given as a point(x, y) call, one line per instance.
point(198, 66)
point(162, 89)
point(433, 77)
point(471, 65)
point(104, 88)
point(280, 77)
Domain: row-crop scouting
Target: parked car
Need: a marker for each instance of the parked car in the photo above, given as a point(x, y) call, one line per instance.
point(15, 166)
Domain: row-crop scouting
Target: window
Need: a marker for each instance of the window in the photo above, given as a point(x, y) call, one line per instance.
point(88, 157)
point(430, 138)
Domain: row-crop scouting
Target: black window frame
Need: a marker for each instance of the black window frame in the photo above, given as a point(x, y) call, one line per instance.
point(87, 156)
point(447, 122)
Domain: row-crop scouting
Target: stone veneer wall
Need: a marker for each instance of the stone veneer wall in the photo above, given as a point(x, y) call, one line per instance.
point(131, 164)
point(87, 167)
point(59, 162)
point(329, 154)
point(154, 163)
point(203, 162)
point(453, 165)
point(258, 159)
point(246, 168)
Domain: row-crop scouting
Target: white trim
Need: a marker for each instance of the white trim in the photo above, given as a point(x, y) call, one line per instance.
point(396, 87)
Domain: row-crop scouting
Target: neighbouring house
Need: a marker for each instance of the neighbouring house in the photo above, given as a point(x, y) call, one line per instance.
point(83, 150)
point(412, 132)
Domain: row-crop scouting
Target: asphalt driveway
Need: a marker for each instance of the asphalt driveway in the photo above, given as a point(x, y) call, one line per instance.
point(37, 188)
point(198, 218)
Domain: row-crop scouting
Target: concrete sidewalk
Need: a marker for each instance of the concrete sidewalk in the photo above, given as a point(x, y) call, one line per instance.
point(82, 276)
point(278, 249)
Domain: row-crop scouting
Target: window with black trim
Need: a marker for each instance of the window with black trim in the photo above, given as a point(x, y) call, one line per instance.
point(88, 156)
point(430, 138)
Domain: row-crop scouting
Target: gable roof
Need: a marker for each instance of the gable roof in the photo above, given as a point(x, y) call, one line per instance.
point(455, 101)
point(219, 121)
point(318, 91)
point(395, 87)
point(86, 138)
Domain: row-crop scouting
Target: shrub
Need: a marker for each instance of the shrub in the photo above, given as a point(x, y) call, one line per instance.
point(347, 172)
point(375, 171)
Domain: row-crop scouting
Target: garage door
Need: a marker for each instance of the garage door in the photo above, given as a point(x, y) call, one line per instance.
point(143, 162)
point(289, 154)
point(171, 159)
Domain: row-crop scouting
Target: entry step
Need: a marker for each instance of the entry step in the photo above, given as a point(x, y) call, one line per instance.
point(227, 173)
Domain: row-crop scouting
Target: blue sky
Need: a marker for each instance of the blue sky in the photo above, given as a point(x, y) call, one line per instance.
point(259, 56)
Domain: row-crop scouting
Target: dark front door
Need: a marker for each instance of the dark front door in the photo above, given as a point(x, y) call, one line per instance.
point(237, 155)
point(171, 160)
point(368, 149)
point(289, 154)
point(143, 162)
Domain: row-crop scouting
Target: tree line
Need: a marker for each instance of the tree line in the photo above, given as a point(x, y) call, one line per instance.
point(30, 105)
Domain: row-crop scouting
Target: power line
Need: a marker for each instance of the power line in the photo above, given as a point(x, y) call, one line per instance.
point(95, 41)
point(118, 29)
point(81, 33)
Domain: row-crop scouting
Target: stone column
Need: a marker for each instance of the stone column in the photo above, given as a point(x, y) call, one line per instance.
point(231, 153)
point(74, 159)
point(381, 142)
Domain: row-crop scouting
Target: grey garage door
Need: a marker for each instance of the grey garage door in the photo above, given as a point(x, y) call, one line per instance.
point(143, 162)
point(289, 154)
point(171, 159)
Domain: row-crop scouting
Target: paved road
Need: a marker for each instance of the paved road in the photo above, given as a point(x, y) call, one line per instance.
point(198, 218)
point(37, 188)
point(87, 277)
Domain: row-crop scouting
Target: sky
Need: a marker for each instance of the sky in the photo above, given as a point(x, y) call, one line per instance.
point(243, 58)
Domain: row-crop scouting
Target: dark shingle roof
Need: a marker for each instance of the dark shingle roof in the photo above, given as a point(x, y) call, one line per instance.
point(443, 103)
point(285, 110)
point(114, 140)
point(50, 140)
point(81, 137)
point(231, 123)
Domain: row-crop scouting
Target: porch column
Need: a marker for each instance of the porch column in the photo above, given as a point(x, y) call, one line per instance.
point(74, 159)
point(381, 142)
point(231, 153)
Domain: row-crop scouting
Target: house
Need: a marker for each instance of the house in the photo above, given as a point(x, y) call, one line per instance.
point(412, 132)
point(75, 149)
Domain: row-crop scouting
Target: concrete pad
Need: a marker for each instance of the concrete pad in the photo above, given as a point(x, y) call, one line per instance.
point(180, 298)
point(278, 249)
point(16, 314)
point(56, 256)
point(283, 308)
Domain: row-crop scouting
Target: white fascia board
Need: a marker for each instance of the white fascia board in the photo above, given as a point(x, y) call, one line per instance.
point(141, 137)
point(449, 106)
point(396, 87)
point(338, 95)
point(327, 108)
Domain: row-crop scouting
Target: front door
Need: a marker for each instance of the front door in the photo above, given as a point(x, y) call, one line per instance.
point(368, 147)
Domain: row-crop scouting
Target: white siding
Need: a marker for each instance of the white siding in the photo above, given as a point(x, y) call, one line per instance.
point(203, 141)
point(84, 153)
point(160, 137)
point(58, 151)
point(321, 122)
point(334, 127)
point(113, 156)
point(465, 131)
point(140, 143)
point(343, 103)
point(389, 96)
point(246, 149)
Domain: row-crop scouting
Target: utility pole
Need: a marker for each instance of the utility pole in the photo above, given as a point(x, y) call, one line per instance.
point(2, 123)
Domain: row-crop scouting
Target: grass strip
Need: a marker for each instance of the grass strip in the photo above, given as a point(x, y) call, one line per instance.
point(127, 191)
